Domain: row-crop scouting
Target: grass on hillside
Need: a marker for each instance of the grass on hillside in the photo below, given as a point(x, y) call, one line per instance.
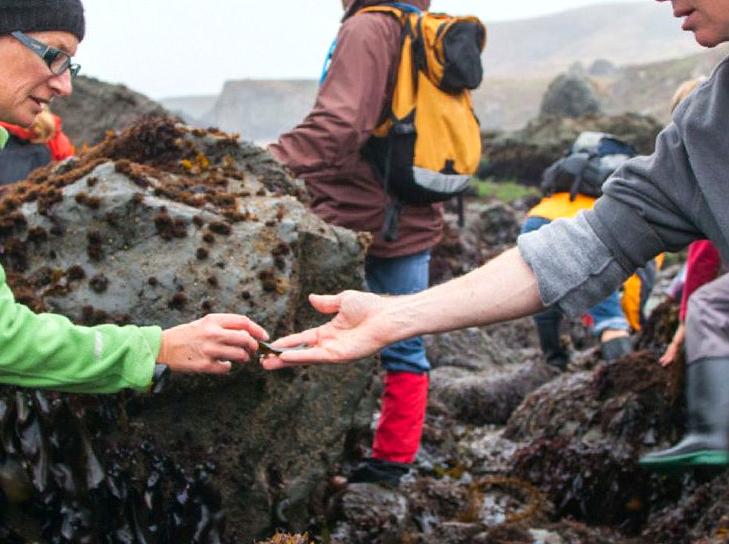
point(506, 191)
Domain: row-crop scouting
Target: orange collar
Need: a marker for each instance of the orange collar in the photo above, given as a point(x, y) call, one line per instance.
point(20, 132)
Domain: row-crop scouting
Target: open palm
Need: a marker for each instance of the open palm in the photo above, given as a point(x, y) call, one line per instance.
point(354, 333)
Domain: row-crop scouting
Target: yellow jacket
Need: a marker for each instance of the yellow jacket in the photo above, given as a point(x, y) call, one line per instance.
point(558, 206)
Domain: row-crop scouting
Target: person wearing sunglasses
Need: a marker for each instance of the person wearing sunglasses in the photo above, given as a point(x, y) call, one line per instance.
point(38, 39)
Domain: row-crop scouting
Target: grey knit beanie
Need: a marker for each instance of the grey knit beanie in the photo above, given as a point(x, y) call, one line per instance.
point(42, 15)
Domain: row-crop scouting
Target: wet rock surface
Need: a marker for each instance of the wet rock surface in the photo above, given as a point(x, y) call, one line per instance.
point(489, 229)
point(561, 467)
point(159, 225)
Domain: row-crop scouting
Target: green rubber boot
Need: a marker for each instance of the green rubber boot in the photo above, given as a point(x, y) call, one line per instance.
point(706, 442)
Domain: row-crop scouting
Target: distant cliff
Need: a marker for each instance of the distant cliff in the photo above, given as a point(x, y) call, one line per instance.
point(625, 33)
point(261, 110)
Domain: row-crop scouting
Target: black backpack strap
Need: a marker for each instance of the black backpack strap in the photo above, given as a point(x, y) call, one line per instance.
point(575, 188)
point(392, 220)
point(461, 211)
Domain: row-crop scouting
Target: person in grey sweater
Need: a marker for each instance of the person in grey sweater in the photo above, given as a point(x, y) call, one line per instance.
point(650, 205)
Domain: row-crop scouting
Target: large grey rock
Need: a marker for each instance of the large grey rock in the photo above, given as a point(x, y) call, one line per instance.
point(570, 95)
point(158, 240)
point(482, 398)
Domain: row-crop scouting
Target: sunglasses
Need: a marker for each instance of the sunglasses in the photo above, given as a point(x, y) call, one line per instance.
point(56, 60)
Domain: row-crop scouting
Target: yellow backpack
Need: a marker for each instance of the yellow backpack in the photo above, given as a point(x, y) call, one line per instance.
point(429, 144)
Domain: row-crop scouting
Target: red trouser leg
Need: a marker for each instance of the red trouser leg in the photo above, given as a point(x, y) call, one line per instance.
point(398, 433)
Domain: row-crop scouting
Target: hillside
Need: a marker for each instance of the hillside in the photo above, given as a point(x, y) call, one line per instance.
point(648, 88)
point(633, 33)
point(521, 59)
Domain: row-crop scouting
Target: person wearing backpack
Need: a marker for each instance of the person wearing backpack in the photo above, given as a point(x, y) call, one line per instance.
point(651, 204)
point(355, 152)
point(570, 185)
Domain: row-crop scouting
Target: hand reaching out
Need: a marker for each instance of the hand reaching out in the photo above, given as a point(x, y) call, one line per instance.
point(357, 331)
point(210, 343)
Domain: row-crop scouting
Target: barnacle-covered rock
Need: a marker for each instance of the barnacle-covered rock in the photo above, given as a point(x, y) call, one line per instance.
point(162, 224)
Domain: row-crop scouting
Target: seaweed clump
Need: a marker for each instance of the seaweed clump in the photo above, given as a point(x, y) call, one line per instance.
point(586, 434)
point(77, 487)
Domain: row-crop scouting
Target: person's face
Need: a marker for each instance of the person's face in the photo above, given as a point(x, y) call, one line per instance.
point(26, 82)
point(707, 19)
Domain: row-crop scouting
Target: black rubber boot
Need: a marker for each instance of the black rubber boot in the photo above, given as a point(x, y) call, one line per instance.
point(614, 349)
point(548, 323)
point(707, 430)
point(378, 471)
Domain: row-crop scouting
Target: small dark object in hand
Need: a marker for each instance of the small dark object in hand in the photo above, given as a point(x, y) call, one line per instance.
point(265, 348)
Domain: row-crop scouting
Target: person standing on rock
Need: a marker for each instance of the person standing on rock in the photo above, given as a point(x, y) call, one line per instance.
point(650, 205)
point(37, 41)
point(325, 150)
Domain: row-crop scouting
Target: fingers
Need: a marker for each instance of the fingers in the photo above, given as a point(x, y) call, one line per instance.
point(312, 356)
point(240, 339)
point(241, 323)
point(309, 337)
point(326, 304)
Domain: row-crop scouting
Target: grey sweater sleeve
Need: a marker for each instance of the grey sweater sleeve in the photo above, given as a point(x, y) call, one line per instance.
point(652, 204)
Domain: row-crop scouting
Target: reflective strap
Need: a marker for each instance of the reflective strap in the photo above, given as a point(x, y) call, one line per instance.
point(440, 183)
point(327, 62)
point(3, 137)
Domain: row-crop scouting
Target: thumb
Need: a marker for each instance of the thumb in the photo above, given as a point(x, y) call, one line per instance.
point(326, 304)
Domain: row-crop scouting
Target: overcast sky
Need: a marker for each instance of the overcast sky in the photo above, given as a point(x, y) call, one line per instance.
point(186, 47)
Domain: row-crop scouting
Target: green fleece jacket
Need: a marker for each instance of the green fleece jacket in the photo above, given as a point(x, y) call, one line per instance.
point(47, 350)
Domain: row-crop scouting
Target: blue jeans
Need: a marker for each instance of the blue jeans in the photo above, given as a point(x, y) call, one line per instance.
point(401, 276)
point(607, 314)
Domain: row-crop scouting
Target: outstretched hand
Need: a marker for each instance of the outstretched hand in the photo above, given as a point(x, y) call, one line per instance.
point(210, 343)
point(357, 331)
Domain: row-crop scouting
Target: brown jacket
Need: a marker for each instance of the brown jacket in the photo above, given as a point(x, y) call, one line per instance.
point(325, 148)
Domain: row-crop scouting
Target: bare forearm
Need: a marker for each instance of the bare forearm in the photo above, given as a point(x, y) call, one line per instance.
point(504, 288)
